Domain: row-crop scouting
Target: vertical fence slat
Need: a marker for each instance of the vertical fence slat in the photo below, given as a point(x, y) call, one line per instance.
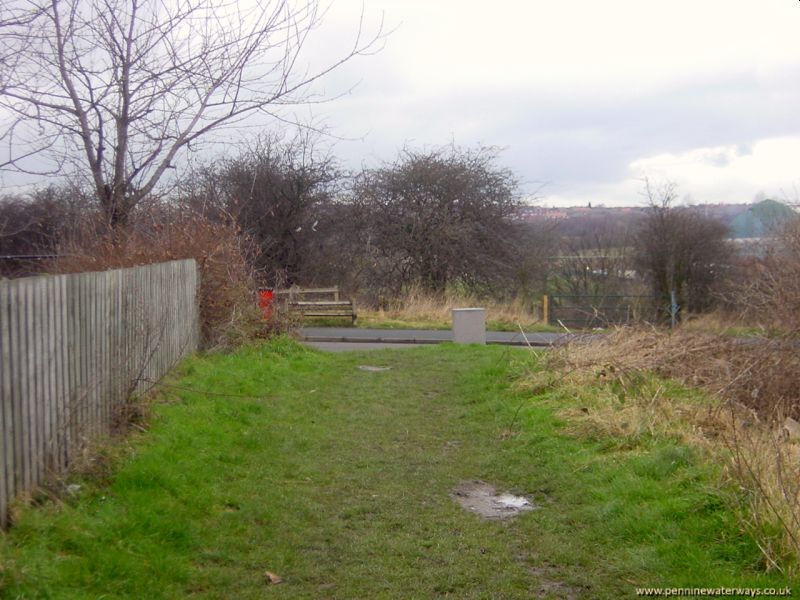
point(73, 334)
point(40, 375)
point(20, 344)
point(104, 423)
point(94, 359)
point(50, 365)
point(17, 374)
point(29, 386)
point(34, 369)
point(80, 349)
point(63, 379)
point(37, 326)
point(7, 431)
point(48, 345)
point(96, 296)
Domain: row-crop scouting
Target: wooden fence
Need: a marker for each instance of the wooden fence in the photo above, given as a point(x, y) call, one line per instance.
point(73, 348)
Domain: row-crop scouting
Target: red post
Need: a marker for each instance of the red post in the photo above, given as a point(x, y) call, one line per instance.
point(265, 297)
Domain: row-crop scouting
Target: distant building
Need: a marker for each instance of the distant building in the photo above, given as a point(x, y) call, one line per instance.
point(761, 219)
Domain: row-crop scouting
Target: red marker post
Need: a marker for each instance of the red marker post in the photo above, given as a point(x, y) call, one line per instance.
point(265, 298)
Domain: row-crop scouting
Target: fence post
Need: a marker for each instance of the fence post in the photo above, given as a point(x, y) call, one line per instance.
point(546, 309)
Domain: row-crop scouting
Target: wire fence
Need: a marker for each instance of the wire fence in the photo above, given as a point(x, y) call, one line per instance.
point(590, 312)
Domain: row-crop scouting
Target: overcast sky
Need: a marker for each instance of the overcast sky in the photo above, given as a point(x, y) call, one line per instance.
point(585, 97)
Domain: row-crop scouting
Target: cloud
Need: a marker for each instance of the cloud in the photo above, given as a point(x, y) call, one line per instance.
point(573, 140)
point(577, 93)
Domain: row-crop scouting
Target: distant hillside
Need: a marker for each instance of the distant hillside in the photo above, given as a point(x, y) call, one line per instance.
point(759, 219)
point(582, 220)
point(744, 220)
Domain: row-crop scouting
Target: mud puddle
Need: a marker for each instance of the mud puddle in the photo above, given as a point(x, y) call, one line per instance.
point(482, 499)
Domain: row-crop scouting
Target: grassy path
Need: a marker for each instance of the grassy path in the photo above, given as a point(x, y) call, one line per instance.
point(338, 480)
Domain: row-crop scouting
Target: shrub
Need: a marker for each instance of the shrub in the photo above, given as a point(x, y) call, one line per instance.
point(228, 311)
point(770, 292)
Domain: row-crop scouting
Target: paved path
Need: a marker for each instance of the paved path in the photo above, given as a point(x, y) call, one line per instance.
point(428, 336)
point(357, 346)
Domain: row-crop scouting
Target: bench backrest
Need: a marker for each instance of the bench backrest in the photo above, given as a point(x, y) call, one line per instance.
point(296, 294)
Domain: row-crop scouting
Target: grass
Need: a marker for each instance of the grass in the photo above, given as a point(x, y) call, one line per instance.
point(727, 399)
point(337, 479)
point(399, 320)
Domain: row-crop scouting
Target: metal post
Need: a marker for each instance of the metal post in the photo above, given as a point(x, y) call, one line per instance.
point(673, 308)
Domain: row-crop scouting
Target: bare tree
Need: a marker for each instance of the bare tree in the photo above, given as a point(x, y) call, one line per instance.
point(765, 288)
point(33, 227)
point(680, 250)
point(439, 217)
point(277, 191)
point(535, 244)
point(125, 86)
point(596, 263)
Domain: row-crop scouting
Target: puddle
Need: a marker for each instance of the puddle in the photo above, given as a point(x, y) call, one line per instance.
point(481, 498)
point(373, 369)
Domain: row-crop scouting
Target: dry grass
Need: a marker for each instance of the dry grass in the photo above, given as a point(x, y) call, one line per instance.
point(759, 373)
point(726, 322)
point(423, 308)
point(728, 397)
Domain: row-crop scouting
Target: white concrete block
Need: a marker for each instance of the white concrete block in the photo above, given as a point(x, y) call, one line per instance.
point(469, 325)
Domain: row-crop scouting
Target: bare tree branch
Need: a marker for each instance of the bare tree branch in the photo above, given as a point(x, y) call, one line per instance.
point(130, 84)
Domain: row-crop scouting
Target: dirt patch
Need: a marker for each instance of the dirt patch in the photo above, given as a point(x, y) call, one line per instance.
point(549, 588)
point(482, 499)
point(373, 369)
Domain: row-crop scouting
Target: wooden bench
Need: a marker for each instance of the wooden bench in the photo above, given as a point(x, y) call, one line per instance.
point(316, 302)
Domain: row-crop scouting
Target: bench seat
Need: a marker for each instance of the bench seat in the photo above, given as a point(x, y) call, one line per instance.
point(332, 306)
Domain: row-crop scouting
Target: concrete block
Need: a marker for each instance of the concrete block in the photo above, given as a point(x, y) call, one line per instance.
point(469, 325)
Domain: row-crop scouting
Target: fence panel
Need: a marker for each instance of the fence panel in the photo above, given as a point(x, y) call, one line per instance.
point(72, 349)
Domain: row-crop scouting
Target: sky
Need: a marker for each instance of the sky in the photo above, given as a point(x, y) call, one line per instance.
point(584, 98)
